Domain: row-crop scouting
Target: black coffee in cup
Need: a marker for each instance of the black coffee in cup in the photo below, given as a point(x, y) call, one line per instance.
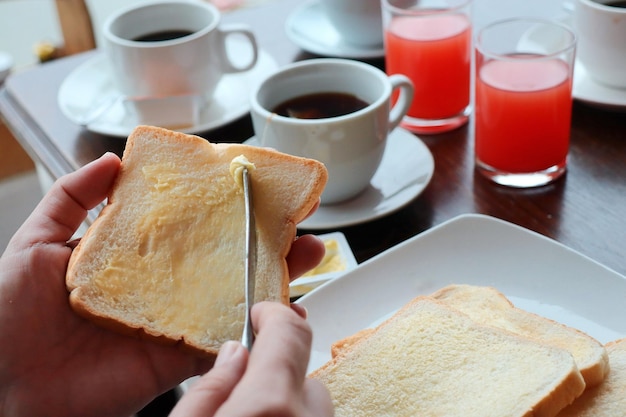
point(320, 106)
point(620, 4)
point(164, 35)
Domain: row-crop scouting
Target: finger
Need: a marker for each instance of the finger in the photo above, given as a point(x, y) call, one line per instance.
point(274, 378)
point(65, 206)
point(209, 392)
point(282, 347)
point(73, 243)
point(313, 210)
point(306, 253)
point(317, 399)
point(300, 310)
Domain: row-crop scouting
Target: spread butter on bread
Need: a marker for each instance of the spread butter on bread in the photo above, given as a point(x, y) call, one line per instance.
point(165, 258)
point(431, 359)
point(488, 306)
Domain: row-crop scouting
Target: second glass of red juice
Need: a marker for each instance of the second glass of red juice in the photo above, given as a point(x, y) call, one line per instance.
point(523, 101)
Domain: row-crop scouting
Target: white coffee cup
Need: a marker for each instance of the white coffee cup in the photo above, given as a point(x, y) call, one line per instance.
point(358, 22)
point(192, 63)
point(350, 145)
point(601, 30)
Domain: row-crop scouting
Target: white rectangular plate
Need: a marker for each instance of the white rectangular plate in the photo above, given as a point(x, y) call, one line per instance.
point(536, 273)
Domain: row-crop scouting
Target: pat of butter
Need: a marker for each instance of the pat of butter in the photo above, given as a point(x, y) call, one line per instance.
point(236, 168)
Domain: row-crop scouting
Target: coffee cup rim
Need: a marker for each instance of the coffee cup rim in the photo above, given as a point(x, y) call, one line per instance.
point(297, 66)
point(107, 33)
point(603, 7)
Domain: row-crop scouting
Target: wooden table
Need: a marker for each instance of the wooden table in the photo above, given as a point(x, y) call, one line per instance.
point(584, 210)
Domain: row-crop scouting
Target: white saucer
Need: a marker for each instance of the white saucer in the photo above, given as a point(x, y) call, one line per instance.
point(309, 28)
point(589, 91)
point(405, 171)
point(91, 83)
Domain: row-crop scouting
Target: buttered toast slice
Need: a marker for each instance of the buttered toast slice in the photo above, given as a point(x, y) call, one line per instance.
point(165, 258)
point(432, 360)
point(609, 398)
point(488, 306)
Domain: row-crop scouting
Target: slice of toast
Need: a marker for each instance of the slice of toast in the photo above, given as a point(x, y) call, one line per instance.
point(430, 359)
point(488, 306)
point(609, 398)
point(165, 258)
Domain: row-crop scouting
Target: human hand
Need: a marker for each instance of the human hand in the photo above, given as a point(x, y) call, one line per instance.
point(271, 381)
point(54, 363)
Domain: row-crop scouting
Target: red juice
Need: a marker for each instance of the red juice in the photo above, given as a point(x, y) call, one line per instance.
point(434, 52)
point(523, 114)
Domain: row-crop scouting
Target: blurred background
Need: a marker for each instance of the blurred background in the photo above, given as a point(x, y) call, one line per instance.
point(31, 31)
point(26, 28)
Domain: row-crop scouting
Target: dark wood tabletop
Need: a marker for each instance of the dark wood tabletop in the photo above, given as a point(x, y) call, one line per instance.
point(585, 209)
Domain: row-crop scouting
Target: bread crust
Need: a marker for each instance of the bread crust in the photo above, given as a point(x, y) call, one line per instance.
point(176, 212)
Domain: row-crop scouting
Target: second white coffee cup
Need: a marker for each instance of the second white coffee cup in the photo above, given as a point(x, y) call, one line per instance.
point(358, 22)
point(168, 48)
point(601, 28)
point(351, 145)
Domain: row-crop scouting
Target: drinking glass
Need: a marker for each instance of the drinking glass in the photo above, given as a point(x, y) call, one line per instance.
point(523, 101)
point(430, 42)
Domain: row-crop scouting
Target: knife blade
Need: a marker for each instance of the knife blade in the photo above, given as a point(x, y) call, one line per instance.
point(247, 338)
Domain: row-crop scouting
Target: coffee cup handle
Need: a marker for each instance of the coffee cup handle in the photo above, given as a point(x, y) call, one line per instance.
point(405, 98)
point(232, 29)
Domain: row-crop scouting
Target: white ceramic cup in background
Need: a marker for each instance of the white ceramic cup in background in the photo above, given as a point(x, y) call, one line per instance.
point(358, 22)
point(190, 64)
point(350, 145)
point(601, 30)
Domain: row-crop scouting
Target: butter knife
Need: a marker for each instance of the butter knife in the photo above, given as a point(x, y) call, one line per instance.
point(247, 338)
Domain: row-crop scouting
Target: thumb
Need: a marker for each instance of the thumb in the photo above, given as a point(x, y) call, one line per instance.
point(209, 392)
point(65, 206)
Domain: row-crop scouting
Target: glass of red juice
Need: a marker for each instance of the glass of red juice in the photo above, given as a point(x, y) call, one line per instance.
point(430, 41)
point(523, 101)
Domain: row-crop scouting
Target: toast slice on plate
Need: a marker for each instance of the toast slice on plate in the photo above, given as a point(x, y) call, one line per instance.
point(431, 359)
